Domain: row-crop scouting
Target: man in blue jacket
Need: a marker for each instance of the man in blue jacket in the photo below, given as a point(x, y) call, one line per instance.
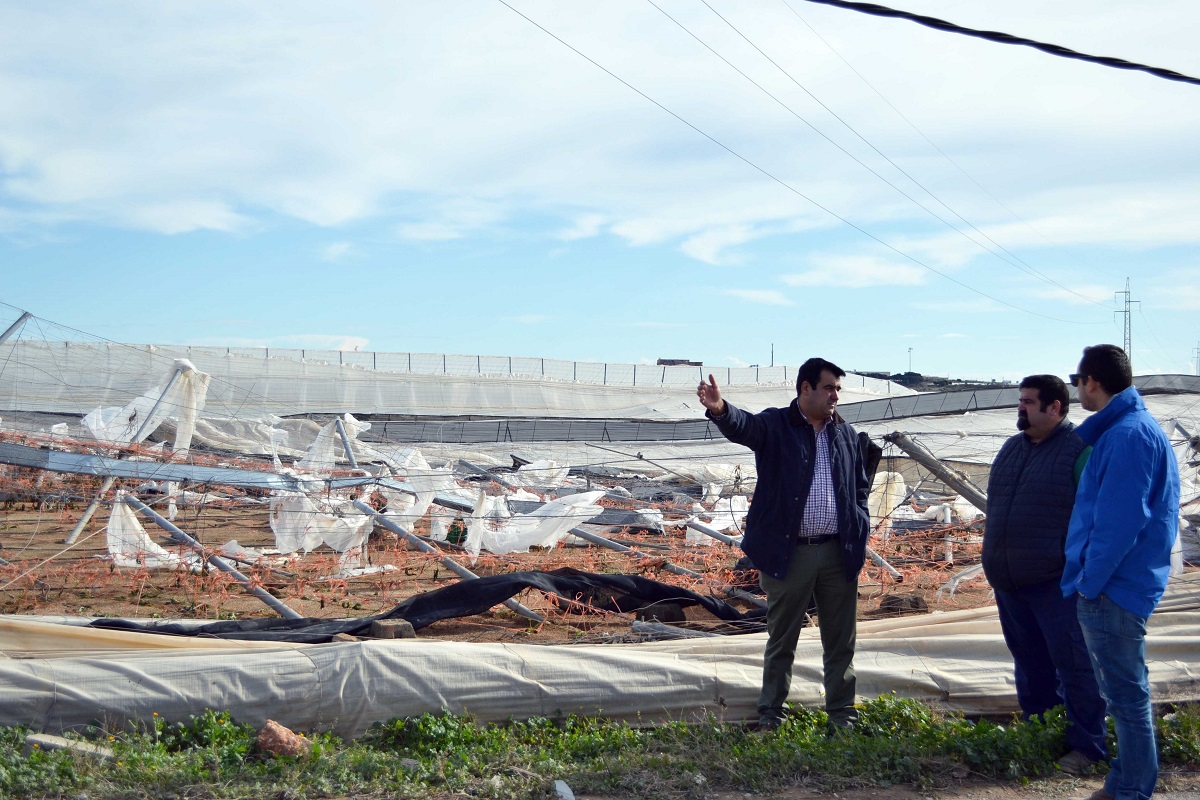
point(1031, 492)
point(806, 532)
point(1118, 555)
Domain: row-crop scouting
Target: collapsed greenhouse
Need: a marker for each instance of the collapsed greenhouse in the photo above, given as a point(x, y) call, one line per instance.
point(348, 537)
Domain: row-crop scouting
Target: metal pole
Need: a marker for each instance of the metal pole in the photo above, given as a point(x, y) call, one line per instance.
point(341, 429)
point(878, 560)
point(443, 559)
point(90, 510)
point(142, 431)
point(708, 530)
point(211, 558)
point(668, 566)
point(14, 327)
point(481, 471)
point(948, 475)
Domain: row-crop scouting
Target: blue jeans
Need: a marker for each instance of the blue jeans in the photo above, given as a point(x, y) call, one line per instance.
point(1052, 666)
point(1116, 641)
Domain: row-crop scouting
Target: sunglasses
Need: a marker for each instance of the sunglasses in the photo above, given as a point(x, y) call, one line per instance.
point(1075, 376)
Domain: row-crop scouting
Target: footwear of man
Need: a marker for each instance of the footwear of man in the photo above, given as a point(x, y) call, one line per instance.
point(1100, 794)
point(1075, 763)
point(836, 726)
point(766, 724)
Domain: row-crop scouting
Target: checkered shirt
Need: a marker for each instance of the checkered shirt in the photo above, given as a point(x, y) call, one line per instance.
point(820, 512)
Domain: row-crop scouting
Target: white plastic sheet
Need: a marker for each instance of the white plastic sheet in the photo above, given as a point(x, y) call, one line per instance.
point(491, 527)
point(130, 546)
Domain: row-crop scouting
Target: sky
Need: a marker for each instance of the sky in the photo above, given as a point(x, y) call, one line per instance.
point(729, 182)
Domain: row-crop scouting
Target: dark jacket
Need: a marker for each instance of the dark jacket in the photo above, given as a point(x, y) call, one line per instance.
point(1031, 491)
point(784, 445)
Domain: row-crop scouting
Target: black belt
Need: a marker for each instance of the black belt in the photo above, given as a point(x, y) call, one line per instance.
point(829, 537)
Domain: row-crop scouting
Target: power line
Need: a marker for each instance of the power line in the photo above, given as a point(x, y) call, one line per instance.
point(1022, 265)
point(776, 179)
point(1008, 38)
point(943, 154)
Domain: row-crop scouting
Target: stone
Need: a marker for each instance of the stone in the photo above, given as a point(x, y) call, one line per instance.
point(392, 629)
point(278, 740)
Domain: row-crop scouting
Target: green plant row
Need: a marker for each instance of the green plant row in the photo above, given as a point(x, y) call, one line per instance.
point(897, 742)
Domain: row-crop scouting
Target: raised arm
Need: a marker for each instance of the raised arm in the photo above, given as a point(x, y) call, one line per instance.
point(710, 397)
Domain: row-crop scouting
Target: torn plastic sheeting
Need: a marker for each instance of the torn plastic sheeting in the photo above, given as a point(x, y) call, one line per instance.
point(301, 523)
point(492, 528)
point(180, 397)
point(617, 593)
point(130, 546)
point(608, 517)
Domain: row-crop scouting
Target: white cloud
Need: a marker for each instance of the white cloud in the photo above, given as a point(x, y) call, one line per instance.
point(770, 297)
point(586, 226)
point(337, 251)
point(428, 232)
point(857, 272)
point(184, 216)
point(1077, 294)
point(707, 246)
point(952, 336)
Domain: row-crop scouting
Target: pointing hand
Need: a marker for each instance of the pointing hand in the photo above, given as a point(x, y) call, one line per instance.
point(710, 396)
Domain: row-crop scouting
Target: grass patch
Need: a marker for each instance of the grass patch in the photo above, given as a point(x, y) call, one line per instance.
point(897, 742)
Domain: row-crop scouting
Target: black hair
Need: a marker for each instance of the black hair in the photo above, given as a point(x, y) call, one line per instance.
point(1109, 366)
point(1049, 389)
point(810, 372)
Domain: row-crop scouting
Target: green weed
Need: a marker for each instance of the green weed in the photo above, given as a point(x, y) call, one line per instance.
point(897, 741)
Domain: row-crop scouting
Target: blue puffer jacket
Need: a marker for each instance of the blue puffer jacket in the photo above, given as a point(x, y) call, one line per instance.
point(784, 445)
point(1031, 490)
point(1126, 512)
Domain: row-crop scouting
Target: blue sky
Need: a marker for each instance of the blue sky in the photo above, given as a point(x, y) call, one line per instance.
point(448, 177)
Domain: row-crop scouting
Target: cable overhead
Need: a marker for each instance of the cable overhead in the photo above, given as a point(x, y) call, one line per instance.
point(932, 143)
point(1007, 38)
point(1016, 261)
point(780, 181)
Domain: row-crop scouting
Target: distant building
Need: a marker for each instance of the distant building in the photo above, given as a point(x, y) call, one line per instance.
point(679, 362)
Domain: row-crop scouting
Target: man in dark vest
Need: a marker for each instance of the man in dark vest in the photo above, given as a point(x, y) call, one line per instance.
point(1031, 492)
point(806, 532)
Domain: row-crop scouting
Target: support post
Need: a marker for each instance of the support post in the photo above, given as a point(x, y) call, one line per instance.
point(668, 566)
point(341, 429)
point(16, 326)
point(218, 562)
point(947, 475)
point(443, 559)
point(708, 530)
point(879, 561)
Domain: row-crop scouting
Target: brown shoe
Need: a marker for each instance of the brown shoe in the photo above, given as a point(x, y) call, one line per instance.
point(1100, 794)
point(1075, 763)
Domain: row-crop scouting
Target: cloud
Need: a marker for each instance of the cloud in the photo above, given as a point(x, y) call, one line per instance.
point(185, 216)
point(337, 251)
point(708, 245)
point(1077, 294)
point(429, 232)
point(856, 272)
point(585, 227)
point(770, 297)
point(530, 319)
point(952, 336)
